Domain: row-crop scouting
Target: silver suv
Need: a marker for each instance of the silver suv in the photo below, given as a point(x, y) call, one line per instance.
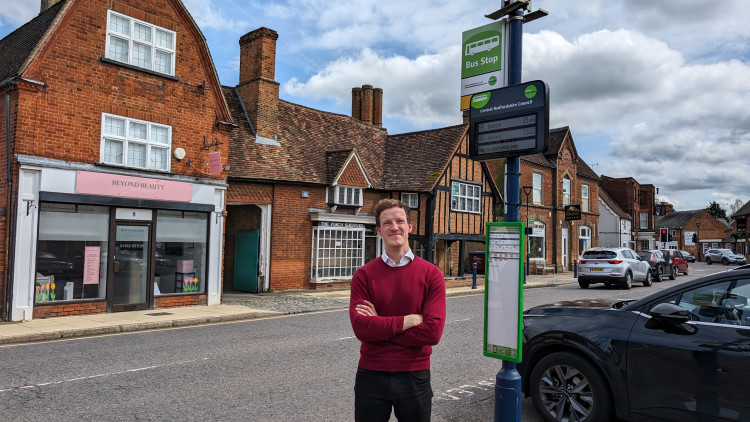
point(725, 256)
point(613, 266)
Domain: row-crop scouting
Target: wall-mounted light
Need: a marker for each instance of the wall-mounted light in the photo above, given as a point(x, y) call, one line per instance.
point(179, 154)
point(219, 215)
point(305, 194)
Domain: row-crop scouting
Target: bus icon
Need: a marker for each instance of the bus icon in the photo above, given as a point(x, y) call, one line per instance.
point(486, 44)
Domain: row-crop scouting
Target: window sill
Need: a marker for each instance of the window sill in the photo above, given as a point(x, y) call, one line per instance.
point(139, 69)
point(120, 166)
point(68, 302)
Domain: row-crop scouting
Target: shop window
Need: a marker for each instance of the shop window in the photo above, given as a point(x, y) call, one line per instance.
point(135, 143)
point(337, 253)
point(180, 252)
point(140, 44)
point(537, 241)
point(466, 197)
point(71, 255)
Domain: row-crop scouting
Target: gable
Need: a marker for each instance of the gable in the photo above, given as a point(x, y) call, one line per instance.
point(352, 174)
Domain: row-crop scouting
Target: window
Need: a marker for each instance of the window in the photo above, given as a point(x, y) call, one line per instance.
point(566, 190)
point(140, 44)
point(411, 199)
point(337, 253)
point(721, 303)
point(643, 220)
point(135, 143)
point(585, 198)
point(537, 241)
point(71, 256)
point(537, 192)
point(416, 248)
point(466, 197)
point(584, 239)
point(346, 195)
point(180, 250)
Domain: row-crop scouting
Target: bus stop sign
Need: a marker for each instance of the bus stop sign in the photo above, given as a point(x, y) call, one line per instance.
point(510, 121)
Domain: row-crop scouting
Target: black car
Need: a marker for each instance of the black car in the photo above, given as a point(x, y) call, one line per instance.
point(670, 268)
point(682, 354)
point(657, 262)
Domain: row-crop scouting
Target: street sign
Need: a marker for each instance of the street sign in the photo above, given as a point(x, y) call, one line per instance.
point(511, 121)
point(484, 52)
point(503, 290)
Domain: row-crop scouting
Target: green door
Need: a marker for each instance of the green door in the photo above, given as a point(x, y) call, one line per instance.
point(246, 261)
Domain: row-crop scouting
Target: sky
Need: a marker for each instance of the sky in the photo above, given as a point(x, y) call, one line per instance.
point(654, 90)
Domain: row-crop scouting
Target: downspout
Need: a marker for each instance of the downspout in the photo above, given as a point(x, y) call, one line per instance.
point(555, 216)
point(7, 273)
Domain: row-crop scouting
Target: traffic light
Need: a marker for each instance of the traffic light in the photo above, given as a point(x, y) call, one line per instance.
point(664, 236)
point(695, 238)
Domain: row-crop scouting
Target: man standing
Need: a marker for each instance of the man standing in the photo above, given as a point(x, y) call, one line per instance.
point(397, 311)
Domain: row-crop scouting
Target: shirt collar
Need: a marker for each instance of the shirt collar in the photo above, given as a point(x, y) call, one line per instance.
point(407, 258)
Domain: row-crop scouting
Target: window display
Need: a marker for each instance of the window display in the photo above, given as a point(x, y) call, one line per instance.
point(180, 252)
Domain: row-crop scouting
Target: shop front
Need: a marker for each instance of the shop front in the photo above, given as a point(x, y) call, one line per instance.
point(89, 241)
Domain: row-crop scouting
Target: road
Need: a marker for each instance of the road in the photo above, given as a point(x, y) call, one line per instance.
point(298, 367)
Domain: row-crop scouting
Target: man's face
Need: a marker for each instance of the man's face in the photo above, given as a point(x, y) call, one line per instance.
point(394, 228)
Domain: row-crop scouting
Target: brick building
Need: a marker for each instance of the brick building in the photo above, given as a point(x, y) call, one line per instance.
point(709, 231)
point(638, 201)
point(303, 183)
point(557, 179)
point(114, 110)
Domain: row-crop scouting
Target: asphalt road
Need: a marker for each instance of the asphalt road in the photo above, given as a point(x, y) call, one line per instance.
point(298, 367)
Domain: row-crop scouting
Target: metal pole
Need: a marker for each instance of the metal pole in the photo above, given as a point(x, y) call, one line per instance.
point(508, 380)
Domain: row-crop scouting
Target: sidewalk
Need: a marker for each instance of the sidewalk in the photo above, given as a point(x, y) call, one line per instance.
point(235, 306)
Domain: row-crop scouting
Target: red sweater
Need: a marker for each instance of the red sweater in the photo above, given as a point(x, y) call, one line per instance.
point(415, 288)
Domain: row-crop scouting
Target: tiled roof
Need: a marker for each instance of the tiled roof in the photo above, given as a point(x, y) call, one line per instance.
point(556, 139)
point(334, 161)
point(676, 219)
point(17, 47)
point(613, 205)
point(744, 210)
point(583, 169)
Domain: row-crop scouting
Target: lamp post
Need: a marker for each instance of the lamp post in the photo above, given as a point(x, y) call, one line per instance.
point(527, 191)
point(698, 244)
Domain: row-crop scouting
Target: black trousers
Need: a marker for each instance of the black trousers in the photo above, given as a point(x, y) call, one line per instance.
point(408, 394)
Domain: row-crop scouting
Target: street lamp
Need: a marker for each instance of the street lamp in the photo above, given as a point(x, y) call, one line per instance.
point(527, 191)
point(698, 243)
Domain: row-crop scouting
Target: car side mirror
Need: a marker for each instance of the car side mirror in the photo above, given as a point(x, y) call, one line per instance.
point(670, 314)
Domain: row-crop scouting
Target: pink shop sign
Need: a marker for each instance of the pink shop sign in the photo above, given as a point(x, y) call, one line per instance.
point(132, 187)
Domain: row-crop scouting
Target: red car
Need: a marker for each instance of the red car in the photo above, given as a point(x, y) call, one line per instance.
point(679, 263)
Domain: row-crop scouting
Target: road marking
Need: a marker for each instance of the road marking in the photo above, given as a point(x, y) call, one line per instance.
point(459, 320)
point(346, 338)
point(464, 391)
point(43, 384)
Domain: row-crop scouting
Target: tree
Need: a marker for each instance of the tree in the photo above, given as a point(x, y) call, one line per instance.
point(717, 211)
point(736, 205)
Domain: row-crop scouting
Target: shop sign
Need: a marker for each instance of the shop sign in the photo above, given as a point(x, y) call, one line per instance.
point(336, 224)
point(132, 187)
point(572, 212)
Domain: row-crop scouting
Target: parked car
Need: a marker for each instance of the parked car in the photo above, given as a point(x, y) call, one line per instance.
point(688, 256)
point(657, 262)
point(613, 266)
point(678, 262)
point(679, 354)
point(725, 256)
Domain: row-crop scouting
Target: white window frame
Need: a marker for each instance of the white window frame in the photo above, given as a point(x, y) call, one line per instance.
point(411, 199)
point(336, 252)
point(566, 190)
point(643, 220)
point(536, 196)
point(355, 200)
point(127, 140)
point(584, 197)
point(151, 44)
point(469, 201)
point(537, 228)
point(584, 233)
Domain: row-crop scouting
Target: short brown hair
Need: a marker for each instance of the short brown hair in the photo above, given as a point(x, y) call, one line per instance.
point(387, 203)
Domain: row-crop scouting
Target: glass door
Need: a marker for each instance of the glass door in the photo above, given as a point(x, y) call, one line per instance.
point(130, 267)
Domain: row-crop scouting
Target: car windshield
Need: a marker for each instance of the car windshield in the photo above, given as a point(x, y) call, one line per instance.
point(645, 255)
point(599, 255)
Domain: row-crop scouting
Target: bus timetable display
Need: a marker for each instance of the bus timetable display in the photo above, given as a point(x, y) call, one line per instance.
point(511, 121)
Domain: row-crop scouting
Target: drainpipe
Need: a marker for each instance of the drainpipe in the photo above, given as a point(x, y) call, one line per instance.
point(8, 203)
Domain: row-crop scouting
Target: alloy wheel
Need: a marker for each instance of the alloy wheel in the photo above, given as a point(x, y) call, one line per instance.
point(566, 394)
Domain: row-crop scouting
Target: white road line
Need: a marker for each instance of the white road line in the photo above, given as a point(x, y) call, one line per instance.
point(346, 338)
point(102, 375)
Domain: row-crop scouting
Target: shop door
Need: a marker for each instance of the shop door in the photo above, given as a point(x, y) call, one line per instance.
point(564, 248)
point(246, 261)
point(130, 268)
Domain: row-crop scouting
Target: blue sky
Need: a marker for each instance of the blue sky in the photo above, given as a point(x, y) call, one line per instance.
point(655, 90)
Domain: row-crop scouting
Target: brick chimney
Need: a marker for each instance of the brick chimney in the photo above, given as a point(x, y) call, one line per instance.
point(367, 105)
point(258, 88)
point(46, 4)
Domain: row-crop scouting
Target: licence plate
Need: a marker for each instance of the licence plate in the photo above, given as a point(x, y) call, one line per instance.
point(597, 269)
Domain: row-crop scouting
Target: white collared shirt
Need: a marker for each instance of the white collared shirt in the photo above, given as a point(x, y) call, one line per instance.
point(407, 258)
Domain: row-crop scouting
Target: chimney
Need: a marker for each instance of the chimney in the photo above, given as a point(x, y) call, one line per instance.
point(46, 4)
point(258, 88)
point(357, 103)
point(367, 105)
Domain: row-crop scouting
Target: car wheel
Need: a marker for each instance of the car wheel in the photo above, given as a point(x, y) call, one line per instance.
point(583, 284)
point(708, 261)
point(673, 273)
point(647, 281)
point(566, 387)
point(725, 261)
point(686, 271)
point(628, 280)
point(659, 274)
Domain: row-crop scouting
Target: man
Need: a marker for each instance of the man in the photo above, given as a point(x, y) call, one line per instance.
point(397, 311)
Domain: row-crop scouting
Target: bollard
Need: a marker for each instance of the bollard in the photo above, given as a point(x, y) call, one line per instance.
point(575, 268)
point(474, 276)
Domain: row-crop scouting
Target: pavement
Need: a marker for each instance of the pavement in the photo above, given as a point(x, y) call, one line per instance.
point(235, 306)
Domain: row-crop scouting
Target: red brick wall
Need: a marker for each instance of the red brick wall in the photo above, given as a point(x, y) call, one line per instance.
point(176, 301)
point(70, 308)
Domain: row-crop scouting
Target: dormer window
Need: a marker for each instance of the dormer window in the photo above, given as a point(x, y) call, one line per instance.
point(347, 195)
